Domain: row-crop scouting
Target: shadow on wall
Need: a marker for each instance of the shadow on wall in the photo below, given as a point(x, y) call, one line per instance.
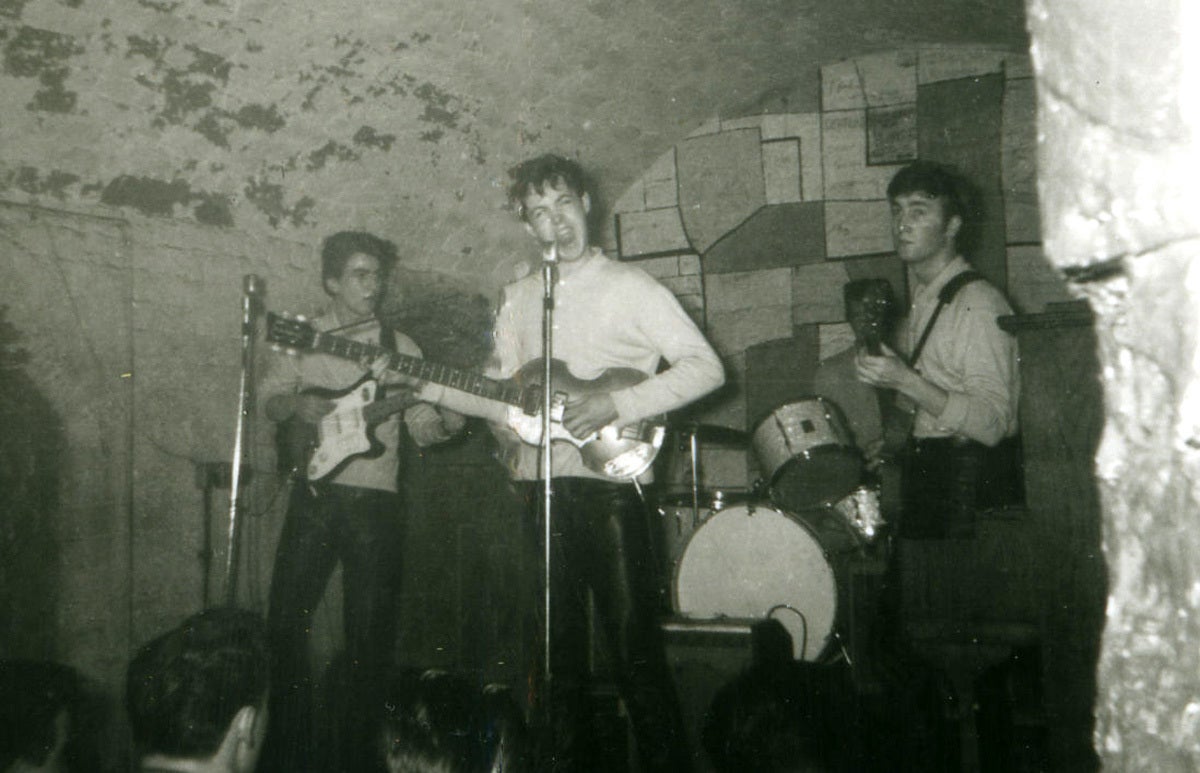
point(451, 323)
point(31, 447)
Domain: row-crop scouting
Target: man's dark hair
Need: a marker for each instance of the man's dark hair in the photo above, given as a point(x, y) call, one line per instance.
point(184, 688)
point(34, 692)
point(436, 722)
point(945, 183)
point(772, 721)
point(338, 248)
point(549, 170)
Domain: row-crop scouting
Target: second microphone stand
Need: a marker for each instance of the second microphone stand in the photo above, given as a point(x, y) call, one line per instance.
point(549, 279)
point(252, 291)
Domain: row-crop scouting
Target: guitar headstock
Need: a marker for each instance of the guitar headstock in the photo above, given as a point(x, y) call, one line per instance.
point(871, 311)
point(290, 333)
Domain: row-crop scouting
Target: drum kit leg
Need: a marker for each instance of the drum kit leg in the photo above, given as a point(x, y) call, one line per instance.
point(783, 549)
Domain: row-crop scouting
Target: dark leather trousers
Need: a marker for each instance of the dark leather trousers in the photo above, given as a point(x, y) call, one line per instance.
point(364, 529)
point(600, 541)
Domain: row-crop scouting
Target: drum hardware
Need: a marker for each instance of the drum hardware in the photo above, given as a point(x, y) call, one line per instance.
point(861, 510)
point(696, 433)
point(842, 651)
point(835, 635)
point(716, 434)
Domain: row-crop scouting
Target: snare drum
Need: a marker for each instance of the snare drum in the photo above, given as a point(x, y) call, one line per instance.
point(752, 562)
point(807, 453)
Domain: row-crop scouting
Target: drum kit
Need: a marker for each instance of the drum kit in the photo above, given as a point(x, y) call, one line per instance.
point(781, 549)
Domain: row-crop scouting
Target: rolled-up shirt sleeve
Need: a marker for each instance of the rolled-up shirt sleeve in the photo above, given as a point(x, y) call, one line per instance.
point(694, 368)
point(426, 426)
point(981, 402)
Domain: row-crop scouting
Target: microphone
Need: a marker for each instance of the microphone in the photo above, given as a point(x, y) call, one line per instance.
point(252, 291)
point(252, 285)
point(549, 273)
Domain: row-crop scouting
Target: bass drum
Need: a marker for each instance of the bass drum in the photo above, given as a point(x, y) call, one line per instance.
point(682, 514)
point(751, 561)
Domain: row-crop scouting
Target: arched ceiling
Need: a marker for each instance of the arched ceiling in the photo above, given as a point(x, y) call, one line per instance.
point(307, 116)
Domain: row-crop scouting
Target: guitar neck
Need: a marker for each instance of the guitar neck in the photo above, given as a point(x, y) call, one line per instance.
point(424, 370)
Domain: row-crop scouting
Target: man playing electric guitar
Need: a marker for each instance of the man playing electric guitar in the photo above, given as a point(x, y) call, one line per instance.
point(355, 514)
point(607, 315)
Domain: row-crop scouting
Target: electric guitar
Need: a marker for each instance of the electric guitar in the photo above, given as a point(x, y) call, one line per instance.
point(347, 432)
point(620, 453)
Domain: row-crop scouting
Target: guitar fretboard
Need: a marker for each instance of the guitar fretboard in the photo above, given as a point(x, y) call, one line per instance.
point(437, 373)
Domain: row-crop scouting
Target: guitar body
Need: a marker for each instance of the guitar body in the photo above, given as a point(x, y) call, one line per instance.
point(613, 451)
point(345, 433)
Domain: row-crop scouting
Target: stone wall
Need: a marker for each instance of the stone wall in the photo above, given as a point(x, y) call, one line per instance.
point(1118, 111)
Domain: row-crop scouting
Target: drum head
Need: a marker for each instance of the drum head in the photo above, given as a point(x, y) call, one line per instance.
point(820, 476)
point(751, 562)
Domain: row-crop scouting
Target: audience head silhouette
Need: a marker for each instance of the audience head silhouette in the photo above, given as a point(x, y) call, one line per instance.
point(196, 694)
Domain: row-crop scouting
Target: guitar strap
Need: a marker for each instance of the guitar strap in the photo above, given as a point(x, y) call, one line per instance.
point(945, 295)
point(897, 422)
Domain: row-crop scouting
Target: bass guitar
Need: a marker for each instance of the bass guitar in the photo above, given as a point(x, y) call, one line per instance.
point(619, 453)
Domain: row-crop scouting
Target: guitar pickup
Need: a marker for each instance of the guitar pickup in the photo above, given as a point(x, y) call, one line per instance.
point(558, 404)
point(532, 404)
point(531, 401)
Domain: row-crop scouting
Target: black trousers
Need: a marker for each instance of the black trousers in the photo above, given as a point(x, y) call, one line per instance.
point(364, 529)
point(600, 541)
point(947, 481)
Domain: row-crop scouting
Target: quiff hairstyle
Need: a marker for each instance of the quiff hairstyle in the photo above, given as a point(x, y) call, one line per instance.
point(548, 170)
point(958, 196)
point(337, 249)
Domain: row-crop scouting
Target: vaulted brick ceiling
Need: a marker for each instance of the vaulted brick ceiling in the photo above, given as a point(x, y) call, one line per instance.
point(305, 116)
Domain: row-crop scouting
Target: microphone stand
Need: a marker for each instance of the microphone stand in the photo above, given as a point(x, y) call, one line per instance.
point(251, 292)
point(695, 453)
point(549, 278)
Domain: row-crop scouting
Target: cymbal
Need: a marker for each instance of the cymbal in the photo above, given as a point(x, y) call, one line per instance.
point(715, 433)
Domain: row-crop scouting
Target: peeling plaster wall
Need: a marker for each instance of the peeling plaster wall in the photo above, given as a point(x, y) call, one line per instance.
point(1120, 123)
point(263, 116)
point(399, 117)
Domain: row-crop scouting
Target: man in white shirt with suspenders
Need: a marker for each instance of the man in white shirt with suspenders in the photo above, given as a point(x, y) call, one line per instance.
point(958, 374)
